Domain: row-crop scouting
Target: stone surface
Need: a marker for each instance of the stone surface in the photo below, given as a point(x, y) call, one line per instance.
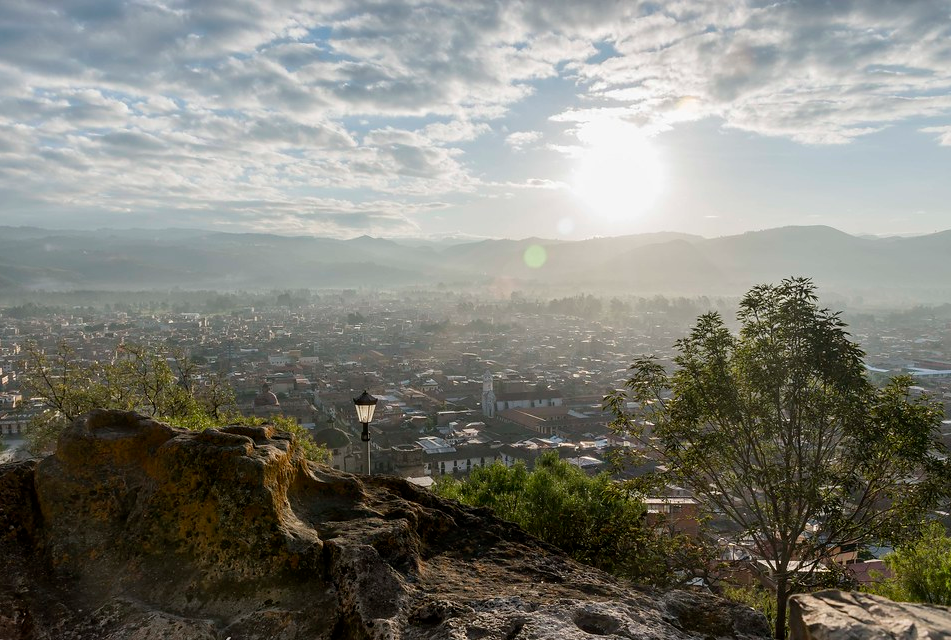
point(845, 615)
point(137, 529)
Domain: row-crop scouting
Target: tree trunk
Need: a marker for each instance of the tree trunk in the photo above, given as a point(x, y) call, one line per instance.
point(782, 595)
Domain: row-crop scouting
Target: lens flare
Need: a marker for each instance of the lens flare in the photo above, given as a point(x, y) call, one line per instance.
point(535, 256)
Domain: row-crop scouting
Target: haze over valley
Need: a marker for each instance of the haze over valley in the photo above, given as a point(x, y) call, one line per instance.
point(899, 270)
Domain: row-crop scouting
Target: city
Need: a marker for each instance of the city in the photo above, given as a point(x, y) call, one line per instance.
point(432, 357)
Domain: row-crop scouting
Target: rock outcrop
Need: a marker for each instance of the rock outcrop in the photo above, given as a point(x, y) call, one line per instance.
point(137, 529)
point(844, 615)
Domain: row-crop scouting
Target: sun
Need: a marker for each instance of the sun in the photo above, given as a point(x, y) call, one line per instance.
point(620, 174)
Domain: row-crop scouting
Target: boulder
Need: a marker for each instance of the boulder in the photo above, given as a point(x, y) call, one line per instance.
point(138, 529)
point(847, 615)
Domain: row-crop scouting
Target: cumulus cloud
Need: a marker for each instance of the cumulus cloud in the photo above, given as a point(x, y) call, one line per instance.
point(815, 72)
point(185, 106)
point(520, 140)
point(944, 134)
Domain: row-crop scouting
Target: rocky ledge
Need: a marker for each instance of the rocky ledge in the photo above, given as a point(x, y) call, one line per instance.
point(845, 615)
point(137, 529)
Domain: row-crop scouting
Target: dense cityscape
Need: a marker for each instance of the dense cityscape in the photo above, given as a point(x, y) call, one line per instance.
point(432, 358)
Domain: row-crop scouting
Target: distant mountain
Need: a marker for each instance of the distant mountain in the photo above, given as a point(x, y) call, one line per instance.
point(594, 259)
point(564, 259)
point(677, 266)
point(907, 269)
point(441, 242)
point(835, 259)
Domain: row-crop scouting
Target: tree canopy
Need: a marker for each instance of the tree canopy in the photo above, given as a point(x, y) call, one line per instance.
point(779, 430)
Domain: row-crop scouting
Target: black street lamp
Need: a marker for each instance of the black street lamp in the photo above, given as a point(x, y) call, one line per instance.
point(366, 405)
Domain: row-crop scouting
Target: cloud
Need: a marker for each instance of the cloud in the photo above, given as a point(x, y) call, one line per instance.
point(183, 106)
point(815, 72)
point(530, 183)
point(519, 140)
point(454, 131)
point(326, 217)
point(944, 134)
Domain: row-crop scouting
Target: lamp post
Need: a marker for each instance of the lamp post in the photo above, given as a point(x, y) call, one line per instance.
point(366, 405)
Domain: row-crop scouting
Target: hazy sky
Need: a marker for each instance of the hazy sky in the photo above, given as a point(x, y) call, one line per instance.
point(556, 118)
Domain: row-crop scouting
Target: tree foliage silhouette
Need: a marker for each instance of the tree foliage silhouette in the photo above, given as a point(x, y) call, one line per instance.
point(778, 429)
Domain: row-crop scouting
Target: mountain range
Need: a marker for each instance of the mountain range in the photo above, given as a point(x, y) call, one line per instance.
point(910, 269)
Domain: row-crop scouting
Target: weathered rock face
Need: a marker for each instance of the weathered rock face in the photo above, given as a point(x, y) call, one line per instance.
point(136, 529)
point(842, 615)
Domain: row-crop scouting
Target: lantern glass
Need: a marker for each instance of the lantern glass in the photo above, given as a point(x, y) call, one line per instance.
point(365, 405)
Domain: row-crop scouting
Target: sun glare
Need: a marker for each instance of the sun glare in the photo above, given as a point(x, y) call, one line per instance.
point(620, 174)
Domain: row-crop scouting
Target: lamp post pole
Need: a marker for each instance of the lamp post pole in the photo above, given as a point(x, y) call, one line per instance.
point(365, 436)
point(365, 406)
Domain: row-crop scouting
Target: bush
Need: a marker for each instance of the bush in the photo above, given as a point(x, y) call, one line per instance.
point(922, 569)
point(593, 519)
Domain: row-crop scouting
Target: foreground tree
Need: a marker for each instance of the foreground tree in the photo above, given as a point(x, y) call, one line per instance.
point(139, 379)
point(778, 429)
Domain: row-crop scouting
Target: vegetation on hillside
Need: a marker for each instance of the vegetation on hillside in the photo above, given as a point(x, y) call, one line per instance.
point(136, 378)
point(592, 518)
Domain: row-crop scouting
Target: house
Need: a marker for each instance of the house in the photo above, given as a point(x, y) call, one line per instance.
point(461, 459)
point(680, 514)
point(340, 446)
point(10, 400)
point(554, 420)
point(528, 399)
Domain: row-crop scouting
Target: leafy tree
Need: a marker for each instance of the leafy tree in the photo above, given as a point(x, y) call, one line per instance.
point(222, 302)
point(778, 429)
point(921, 569)
point(136, 379)
point(291, 301)
point(592, 518)
point(583, 306)
point(619, 308)
point(29, 310)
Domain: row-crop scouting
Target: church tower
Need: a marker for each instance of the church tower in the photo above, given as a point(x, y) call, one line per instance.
point(488, 396)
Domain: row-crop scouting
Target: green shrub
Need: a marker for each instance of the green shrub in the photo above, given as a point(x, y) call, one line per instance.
point(593, 519)
point(921, 570)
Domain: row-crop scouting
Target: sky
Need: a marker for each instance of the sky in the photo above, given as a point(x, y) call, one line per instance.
point(549, 118)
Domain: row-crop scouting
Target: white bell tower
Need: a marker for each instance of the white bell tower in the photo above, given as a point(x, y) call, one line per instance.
point(488, 396)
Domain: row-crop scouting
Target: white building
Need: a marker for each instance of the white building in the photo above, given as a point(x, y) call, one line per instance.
point(488, 396)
